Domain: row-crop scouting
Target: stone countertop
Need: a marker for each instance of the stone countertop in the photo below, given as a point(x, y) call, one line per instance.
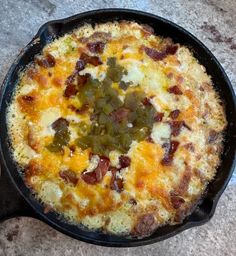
point(214, 23)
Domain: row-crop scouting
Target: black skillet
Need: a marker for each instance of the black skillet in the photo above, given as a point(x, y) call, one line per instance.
point(16, 199)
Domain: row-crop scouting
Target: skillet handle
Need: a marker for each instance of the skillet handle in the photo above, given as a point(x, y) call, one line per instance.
point(12, 204)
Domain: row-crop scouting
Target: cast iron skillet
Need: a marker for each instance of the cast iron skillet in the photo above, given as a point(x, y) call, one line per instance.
point(16, 199)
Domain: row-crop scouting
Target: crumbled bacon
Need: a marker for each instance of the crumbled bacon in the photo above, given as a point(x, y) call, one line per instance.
point(124, 161)
point(146, 102)
point(116, 182)
point(80, 65)
point(175, 90)
point(176, 200)
point(70, 90)
point(145, 225)
point(158, 117)
point(182, 187)
point(176, 127)
point(69, 176)
point(93, 60)
point(82, 79)
point(160, 55)
point(119, 115)
point(70, 79)
point(96, 47)
point(47, 62)
point(175, 113)
point(98, 173)
point(170, 149)
point(154, 54)
point(171, 49)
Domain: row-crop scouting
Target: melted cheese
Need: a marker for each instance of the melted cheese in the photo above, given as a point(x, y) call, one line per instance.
point(146, 180)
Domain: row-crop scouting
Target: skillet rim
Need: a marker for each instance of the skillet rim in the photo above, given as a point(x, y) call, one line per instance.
point(60, 226)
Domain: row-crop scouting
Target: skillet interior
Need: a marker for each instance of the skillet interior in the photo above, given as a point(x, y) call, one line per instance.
point(162, 27)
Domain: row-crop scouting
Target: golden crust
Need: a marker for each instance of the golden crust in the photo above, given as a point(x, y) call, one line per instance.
point(154, 193)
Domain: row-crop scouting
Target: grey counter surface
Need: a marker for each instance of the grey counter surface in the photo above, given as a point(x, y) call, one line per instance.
point(214, 23)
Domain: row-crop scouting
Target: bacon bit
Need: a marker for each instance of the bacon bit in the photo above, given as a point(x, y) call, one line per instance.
point(170, 149)
point(124, 161)
point(70, 79)
point(175, 113)
point(184, 182)
point(98, 173)
point(93, 60)
point(132, 201)
point(80, 65)
point(145, 225)
point(146, 102)
point(189, 146)
point(96, 47)
point(176, 127)
point(119, 114)
point(59, 124)
point(46, 62)
point(171, 49)
point(116, 182)
point(175, 90)
point(70, 91)
point(160, 55)
point(154, 54)
point(158, 117)
point(57, 82)
point(82, 79)
point(176, 201)
point(69, 176)
point(213, 135)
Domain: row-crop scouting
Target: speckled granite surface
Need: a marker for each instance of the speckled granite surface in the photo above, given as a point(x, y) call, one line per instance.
point(214, 23)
